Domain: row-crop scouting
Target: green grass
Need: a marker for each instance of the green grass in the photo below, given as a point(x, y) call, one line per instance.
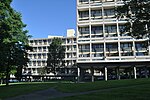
point(24, 88)
point(140, 92)
point(81, 87)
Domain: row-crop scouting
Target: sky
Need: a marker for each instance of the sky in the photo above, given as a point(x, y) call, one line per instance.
point(47, 17)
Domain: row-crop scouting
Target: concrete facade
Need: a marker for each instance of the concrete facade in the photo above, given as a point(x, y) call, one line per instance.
point(101, 44)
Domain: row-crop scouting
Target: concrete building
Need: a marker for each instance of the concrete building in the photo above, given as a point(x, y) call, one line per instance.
point(38, 57)
point(99, 49)
point(101, 46)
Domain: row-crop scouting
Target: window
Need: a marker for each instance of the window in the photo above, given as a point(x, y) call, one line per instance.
point(30, 56)
point(39, 49)
point(109, 12)
point(39, 56)
point(126, 46)
point(36, 43)
point(83, 1)
point(84, 48)
point(111, 29)
point(83, 14)
point(45, 42)
point(44, 49)
point(97, 48)
point(31, 42)
point(34, 63)
point(84, 30)
point(30, 63)
point(95, 13)
point(97, 29)
point(39, 63)
point(40, 42)
point(112, 47)
point(141, 46)
point(44, 56)
point(34, 56)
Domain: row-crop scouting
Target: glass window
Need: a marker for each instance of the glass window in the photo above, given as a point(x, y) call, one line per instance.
point(111, 29)
point(109, 12)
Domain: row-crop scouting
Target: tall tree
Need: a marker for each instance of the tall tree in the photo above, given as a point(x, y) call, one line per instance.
point(137, 14)
point(56, 54)
point(13, 39)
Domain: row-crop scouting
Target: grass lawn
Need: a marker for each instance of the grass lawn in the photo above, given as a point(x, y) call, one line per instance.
point(143, 86)
point(22, 88)
point(141, 92)
point(81, 87)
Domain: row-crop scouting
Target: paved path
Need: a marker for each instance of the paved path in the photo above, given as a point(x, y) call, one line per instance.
point(53, 93)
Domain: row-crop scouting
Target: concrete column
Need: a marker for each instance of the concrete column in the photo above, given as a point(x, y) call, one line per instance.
point(78, 78)
point(92, 73)
point(135, 77)
point(66, 70)
point(145, 71)
point(130, 73)
point(149, 71)
point(140, 74)
point(106, 77)
point(118, 73)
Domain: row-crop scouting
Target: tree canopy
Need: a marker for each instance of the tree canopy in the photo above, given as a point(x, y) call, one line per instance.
point(56, 54)
point(137, 14)
point(13, 39)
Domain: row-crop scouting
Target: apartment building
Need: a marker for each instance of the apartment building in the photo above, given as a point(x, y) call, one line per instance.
point(101, 46)
point(99, 49)
point(38, 57)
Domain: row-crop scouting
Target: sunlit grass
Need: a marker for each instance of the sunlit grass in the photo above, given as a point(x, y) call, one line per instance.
point(140, 92)
point(16, 89)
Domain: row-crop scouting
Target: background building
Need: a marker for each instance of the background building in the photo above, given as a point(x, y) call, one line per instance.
point(38, 57)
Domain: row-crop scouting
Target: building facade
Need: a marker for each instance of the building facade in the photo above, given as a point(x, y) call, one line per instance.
point(99, 49)
point(38, 57)
point(101, 44)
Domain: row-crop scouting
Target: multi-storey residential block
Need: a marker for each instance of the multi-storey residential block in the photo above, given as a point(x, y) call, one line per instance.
point(38, 57)
point(101, 44)
point(100, 49)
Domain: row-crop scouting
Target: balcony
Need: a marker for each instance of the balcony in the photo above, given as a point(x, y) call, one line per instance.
point(83, 15)
point(96, 31)
point(84, 50)
point(83, 1)
point(98, 55)
point(109, 13)
point(96, 1)
point(84, 55)
point(96, 14)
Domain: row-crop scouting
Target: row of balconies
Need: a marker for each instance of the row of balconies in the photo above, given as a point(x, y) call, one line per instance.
point(44, 56)
point(46, 42)
point(96, 14)
point(44, 63)
point(37, 63)
point(95, 1)
point(45, 49)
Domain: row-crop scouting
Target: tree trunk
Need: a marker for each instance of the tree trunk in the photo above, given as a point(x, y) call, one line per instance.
point(1, 81)
point(7, 76)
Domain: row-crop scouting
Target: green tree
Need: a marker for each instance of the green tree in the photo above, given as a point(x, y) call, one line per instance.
point(137, 14)
point(13, 39)
point(56, 55)
point(42, 72)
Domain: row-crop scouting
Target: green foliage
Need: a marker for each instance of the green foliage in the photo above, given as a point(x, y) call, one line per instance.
point(13, 39)
point(56, 55)
point(137, 13)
